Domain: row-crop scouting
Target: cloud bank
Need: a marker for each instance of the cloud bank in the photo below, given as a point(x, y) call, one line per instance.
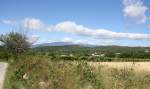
point(136, 10)
point(72, 27)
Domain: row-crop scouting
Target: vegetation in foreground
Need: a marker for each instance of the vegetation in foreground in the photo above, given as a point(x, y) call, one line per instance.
point(42, 73)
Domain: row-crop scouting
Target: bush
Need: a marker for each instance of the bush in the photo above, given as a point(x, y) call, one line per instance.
point(15, 43)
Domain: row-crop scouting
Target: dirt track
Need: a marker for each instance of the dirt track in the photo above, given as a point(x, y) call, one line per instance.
point(139, 66)
point(3, 67)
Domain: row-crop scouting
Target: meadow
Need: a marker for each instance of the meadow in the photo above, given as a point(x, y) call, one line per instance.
point(40, 72)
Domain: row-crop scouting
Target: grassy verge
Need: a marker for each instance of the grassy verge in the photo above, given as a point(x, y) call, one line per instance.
point(42, 73)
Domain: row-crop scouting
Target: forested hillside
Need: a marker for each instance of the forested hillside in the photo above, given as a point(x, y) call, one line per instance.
point(100, 51)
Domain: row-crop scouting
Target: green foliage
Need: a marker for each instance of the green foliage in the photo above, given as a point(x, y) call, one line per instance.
point(18, 74)
point(53, 74)
point(4, 54)
point(15, 43)
point(111, 53)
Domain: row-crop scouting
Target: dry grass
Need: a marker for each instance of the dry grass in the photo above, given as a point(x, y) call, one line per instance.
point(137, 66)
point(44, 73)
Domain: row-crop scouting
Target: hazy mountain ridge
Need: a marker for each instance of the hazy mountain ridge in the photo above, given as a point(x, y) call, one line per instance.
point(61, 44)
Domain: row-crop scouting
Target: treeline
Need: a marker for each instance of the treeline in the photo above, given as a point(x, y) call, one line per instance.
point(101, 51)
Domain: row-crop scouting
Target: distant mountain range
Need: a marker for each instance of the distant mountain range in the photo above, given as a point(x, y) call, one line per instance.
point(61, 44)
point(74, 44)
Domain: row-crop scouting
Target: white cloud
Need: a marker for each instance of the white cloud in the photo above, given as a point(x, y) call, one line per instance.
point(72, 27)
point(67, 39)
point(33, 39)
point(32, 23)
point(135, 9)
point(8, 22)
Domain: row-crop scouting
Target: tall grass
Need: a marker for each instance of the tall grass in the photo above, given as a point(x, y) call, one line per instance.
point(126, 78)
point(42, 73)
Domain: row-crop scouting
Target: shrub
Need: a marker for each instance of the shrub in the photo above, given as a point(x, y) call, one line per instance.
point(15, 43)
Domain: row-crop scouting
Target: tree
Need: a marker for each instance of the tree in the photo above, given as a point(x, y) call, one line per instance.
point(15, 43)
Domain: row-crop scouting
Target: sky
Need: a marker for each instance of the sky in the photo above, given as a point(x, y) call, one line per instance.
point(96, 22)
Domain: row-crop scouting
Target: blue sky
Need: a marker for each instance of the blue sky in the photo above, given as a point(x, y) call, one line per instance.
point(100, 22)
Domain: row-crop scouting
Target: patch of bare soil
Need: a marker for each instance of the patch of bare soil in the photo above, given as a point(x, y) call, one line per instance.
point(3, 67)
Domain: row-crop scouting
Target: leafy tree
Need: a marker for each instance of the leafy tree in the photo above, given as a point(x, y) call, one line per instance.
point(15, 43)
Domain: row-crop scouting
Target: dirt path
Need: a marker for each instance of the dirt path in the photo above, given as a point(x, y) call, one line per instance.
point(139, 66)
point(3, 67)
